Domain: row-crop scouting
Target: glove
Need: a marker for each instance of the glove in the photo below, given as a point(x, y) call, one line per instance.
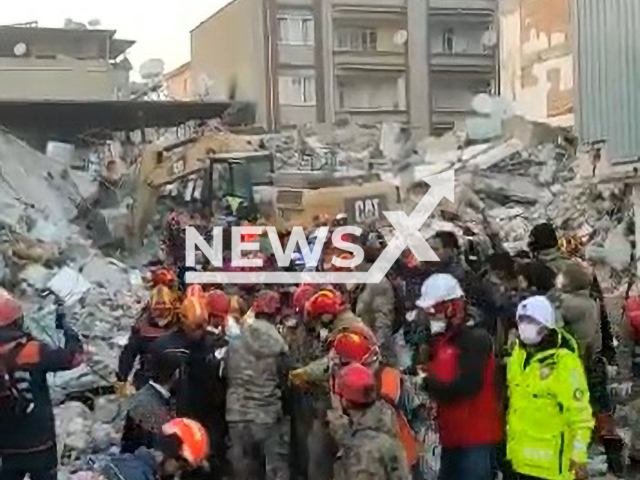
point(298, 378)
point(579, 470)
point(124, 389)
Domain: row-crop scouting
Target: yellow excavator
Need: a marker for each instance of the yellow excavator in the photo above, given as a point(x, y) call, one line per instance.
point(239, 161)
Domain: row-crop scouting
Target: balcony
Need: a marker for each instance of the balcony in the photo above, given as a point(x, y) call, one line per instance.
point(368, 11)
point(369, 60)
point(462, 62)
point(296, 55)
point(463, 7)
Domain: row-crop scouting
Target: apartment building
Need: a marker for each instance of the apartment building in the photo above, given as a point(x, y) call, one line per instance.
point(305, 61)
point(62, 64)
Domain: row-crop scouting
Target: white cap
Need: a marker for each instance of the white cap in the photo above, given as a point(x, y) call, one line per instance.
point(538, 308)
point(439, 287)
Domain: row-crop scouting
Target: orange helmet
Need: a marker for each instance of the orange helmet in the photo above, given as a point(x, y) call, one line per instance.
point(163, 276)
point(356, 384)
point(194, 314)
point(301, 296)
point(10, 308)
point(352, 346)
point(161, 303)
point(345, 257)
point(218, 305)
point(193, 437)
point(194, 290)
point(267, 302)
point(325, 302)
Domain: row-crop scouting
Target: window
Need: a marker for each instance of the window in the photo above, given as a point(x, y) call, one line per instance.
point(448, 40)
point(356, 40)
point(295, 30)
point(297, 90)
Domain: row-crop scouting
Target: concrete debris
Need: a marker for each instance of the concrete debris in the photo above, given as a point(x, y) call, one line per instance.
point(36, 275)
point(69, 285)
point(106, 272)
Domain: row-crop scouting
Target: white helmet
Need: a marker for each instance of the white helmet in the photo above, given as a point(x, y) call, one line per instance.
point(439, 287)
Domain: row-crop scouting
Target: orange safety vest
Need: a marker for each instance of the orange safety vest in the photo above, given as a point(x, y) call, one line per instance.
point(390, 390)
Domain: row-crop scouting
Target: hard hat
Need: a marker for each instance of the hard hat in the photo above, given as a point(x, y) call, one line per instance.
point(161, 302)
point(194, 290)
point(218, 304)
point(347, 257)
point(10, 308)
point(325, 302)
point(193, 437)
point(352, 346)
point(267, 302)
point(194, 314)
point(538, 308)
point(163, 276)
point(438, 288)
point(301, 296)
point(356, 384)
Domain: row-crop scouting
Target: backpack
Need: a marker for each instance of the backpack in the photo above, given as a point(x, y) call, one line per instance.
point(12, 401)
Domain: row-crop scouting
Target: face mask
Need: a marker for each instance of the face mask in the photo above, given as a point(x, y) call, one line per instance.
point(530, 333)
point(324, 333)
point(438, 326)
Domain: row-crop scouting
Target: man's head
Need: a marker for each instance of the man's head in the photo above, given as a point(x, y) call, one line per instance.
point(535, 317)
point(184, 446)
point(538, 277)
point(442, 298)
point(573, 278)
point(355, 346)
point(445, 245)
point(267, 305)
point(323, 308)
point(162, 305)
point(356, 387)
point(194, 316)
point(543, 237)
point(218, 306)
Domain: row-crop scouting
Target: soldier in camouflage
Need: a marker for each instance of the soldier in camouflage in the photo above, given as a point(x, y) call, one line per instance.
point(364, 429)
point(257, 368)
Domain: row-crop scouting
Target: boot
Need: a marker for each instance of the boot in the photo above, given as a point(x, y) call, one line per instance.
point(612, 443)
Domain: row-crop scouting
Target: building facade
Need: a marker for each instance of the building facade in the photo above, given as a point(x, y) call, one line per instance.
point(537, 63)
point(178, 84)
point(365, 60)
point(62, 64)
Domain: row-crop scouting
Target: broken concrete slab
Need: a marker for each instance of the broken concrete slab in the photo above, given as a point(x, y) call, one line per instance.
point(106, 272)
point(69, 285)
point(505, 188)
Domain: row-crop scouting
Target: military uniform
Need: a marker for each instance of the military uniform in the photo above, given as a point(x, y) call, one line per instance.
point(369, 448)
point(257, 368)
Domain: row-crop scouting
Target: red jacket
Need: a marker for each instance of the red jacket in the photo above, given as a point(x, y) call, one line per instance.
point(462, 381)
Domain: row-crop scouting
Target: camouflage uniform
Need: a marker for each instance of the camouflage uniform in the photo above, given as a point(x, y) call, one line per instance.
point(256, 378)
point(376, 308)
point(369, 447)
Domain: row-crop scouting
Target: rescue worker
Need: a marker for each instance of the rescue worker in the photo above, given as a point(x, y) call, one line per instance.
point(182, 447)
point(257, 366)
point(151, 407)
point(460, 378)
point(27, 424)
point(327, 314)
point(155, 322)
point(364, 429)
point(356, 347)
point(549, 416)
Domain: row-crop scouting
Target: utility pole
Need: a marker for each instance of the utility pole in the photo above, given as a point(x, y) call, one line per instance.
point(418, 72)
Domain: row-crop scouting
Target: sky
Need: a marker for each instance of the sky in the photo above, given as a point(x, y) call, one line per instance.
point(160, 27)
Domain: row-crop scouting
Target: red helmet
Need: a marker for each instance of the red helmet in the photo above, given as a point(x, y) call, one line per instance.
point(301, 296)
point(267, 302)
point(194, 290)
point(352, 346)
point(325, 302)
point(193, 437)
point(163, 276)
point(356, 384)
point(10, 308)
point(218, 304)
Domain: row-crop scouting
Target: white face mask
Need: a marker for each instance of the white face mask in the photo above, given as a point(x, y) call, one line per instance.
point(530, 333)
point(438, 326)
point(324, 333)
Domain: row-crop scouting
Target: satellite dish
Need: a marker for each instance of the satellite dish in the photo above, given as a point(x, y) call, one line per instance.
point(94, 22)
point(490, 38)
point(152, 68)
point(400, 37)
point(483, 103)
point(20, 49)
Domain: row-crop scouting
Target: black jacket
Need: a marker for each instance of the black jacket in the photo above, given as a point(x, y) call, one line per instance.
point(34, 430)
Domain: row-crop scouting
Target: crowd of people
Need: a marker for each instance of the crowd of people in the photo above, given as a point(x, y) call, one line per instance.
point(507, 354)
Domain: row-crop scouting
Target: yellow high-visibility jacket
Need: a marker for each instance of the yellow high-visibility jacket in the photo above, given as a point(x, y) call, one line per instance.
point(549, 421)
